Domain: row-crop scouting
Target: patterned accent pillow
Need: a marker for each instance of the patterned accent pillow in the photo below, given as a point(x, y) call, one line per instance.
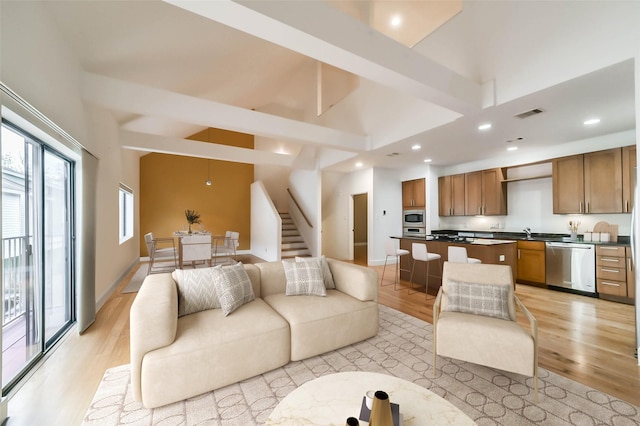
point(233, 287)
point(195, 291)
point(491, 300)
point(304, 278)
point(327, 276)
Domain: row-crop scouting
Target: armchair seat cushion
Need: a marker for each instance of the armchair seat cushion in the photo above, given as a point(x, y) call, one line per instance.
point(487, 341)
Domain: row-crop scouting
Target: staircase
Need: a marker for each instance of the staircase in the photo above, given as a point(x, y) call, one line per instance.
point(292, 242)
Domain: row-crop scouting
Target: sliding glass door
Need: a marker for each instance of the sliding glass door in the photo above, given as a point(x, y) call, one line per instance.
point(37, 281)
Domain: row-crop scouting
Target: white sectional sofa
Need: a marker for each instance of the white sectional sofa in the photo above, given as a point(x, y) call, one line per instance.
point(174, 358)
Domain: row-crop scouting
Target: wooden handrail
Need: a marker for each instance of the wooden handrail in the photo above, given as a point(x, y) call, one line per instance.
point(299, 208)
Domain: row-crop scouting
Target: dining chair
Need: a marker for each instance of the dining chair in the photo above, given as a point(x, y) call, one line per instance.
point(226, 248)
point(195, 248)
point(160, 249)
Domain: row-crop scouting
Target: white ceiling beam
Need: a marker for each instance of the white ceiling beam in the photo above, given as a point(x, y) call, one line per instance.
point(186, 147)
point(139, 99)
point(316, 30)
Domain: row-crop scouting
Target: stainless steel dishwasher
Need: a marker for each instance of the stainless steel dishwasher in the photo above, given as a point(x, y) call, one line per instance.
point(571, 266)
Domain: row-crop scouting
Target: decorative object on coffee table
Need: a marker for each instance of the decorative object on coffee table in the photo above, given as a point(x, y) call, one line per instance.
point(381, 410)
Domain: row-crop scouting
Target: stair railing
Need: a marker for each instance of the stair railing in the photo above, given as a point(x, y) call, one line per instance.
point(293, 198)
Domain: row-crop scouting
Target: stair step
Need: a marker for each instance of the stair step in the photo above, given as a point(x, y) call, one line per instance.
point(291, 233)
point(288, 227)
point(298, 245)
point(292, 239)
point(293, 253)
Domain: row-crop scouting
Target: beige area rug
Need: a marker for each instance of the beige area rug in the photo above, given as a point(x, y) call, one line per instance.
point(402, 348)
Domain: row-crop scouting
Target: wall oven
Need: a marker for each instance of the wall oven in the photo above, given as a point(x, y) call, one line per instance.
point(413, 219)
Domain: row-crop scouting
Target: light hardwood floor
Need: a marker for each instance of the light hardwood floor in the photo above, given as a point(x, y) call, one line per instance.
point(588, 340)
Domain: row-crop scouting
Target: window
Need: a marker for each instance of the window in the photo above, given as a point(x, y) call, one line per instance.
point(126, 213)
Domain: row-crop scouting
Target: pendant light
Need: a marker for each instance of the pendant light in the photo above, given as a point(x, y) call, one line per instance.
point(208, 181)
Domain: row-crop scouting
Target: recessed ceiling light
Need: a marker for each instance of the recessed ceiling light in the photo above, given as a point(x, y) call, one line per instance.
point(416, 147)
point(396, 21)
point(358, 164)
point(592, 121)
point(428, 160)
point(485, 126)
point(512, 148)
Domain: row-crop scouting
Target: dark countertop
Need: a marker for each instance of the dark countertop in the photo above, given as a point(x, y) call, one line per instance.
point(461, 237)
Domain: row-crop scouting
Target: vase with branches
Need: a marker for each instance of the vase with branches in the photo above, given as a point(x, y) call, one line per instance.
point(192, 217)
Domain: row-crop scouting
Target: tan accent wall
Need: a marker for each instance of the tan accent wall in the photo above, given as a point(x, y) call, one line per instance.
point(171, 184)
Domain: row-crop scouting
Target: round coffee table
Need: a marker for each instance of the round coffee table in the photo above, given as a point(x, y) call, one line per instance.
point(330, 399)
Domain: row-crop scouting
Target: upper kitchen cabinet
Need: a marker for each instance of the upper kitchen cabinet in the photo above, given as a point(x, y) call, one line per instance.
point(588, 183)
point(628, 177)
point(568, 184)
point(451, 195)
point(485, 192)
point(414, 194)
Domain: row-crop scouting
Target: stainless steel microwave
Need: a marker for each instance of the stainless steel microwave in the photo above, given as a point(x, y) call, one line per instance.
point(413, 218)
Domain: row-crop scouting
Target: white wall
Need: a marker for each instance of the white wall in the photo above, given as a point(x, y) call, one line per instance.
point(306, 187)
point(266, 224)
point(37, 64)
point(275, 180)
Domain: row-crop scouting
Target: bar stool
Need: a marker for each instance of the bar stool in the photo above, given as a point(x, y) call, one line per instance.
point(419, 252)
point(391, 250)
point(459, 255)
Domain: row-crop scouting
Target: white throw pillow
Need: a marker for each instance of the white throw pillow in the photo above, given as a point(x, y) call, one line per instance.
point(327, 276)
point(304, 278)
point(233, 287)
point(195, 291)
point(491, 300)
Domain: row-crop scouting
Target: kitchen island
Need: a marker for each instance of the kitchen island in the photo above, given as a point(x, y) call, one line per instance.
point(492, 251)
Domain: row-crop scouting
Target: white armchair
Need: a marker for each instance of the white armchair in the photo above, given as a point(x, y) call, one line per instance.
point(474, 320)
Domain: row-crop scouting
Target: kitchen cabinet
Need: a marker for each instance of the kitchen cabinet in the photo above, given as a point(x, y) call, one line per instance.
point(611, 271)
point(588, 183)
point(531, 262)
point(413, 193)
point(631, 276)
point(485, 192)
point(451, 195)
point(628, 177)
point(603, 181)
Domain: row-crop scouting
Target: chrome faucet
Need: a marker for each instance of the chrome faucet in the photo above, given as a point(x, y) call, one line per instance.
point(528, 231)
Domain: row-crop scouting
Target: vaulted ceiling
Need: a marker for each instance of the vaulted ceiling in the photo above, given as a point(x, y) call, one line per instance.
point(169, 69)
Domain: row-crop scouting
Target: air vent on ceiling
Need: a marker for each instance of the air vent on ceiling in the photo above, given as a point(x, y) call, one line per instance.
point(529, 113)
point(393, 154)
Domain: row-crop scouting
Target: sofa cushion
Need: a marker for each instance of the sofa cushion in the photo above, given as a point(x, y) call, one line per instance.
point(490, 300)
point(322, 324)
point(304, 278)
point(212, 350)
point(195, 290)
point(327, 276)
point(233, 287)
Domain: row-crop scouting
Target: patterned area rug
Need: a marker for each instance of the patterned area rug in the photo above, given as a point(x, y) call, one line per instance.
point(402, 348)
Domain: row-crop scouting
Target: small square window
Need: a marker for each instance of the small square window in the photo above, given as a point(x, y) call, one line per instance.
point(126, 214)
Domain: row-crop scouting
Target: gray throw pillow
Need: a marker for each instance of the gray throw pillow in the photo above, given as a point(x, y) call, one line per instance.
point(491, 300)
point(327, 276)
point(304, 278)
point(233, 287)
point(195, 291)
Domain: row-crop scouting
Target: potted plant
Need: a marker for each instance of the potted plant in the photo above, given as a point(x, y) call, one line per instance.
point(192, 217)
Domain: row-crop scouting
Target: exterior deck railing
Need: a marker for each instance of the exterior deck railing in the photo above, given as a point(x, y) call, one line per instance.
point(14, 254)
